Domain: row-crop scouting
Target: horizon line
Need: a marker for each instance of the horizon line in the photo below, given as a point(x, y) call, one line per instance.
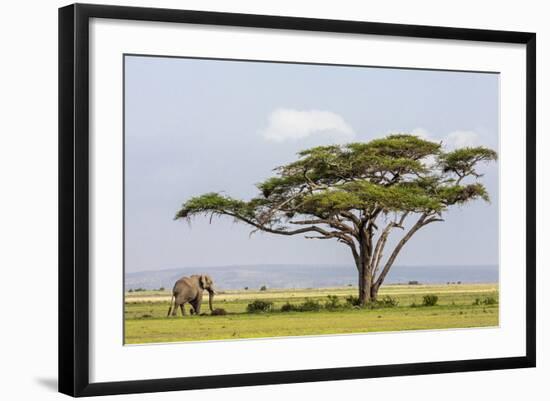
point(301, 264)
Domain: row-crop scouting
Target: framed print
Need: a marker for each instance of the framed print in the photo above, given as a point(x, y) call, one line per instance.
point(282, 199)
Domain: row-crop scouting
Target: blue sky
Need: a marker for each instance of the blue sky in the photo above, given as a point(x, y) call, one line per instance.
point(196, 126)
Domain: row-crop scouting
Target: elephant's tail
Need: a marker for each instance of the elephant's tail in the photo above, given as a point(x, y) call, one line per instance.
point(170, 307)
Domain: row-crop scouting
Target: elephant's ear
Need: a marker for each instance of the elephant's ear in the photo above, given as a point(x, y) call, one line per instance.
point(202, 280)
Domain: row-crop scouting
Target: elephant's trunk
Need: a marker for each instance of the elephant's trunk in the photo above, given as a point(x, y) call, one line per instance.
point(210, 298)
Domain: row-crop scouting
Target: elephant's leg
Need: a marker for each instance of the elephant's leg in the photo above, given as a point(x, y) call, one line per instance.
point(198, 303)
point(175, 309)
point(182, 307)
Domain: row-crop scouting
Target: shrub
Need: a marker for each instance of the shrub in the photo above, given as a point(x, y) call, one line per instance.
point(263, 288)
point(130, 290)
point(161, 289)
point(430, 300)
point(414, 282)
point(332, 302)
point(310, 306)
point(288, 307)
point(414, 305)
point(490, 300)
point(352, 301)
point(246, 288)
point(259, 306)
point(387, 302)
point(219, 312)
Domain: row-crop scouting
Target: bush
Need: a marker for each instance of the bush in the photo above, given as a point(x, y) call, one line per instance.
point(219, 312)
point(352, 301)
point(288, 307)
point(161, 289)
point(386, 302)
point(414, 282)
point(263, 288)
point(310, 306)
point(430, 300)
point(485, 301)
point(332, 302)
point(259, 306)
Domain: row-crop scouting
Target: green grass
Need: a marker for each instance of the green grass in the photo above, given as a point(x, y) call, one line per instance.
point(146, 321)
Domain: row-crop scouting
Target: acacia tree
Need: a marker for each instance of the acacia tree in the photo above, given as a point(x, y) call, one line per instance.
point(358, 194)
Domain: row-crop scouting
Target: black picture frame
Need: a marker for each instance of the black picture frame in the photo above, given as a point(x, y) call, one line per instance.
point(74, 198)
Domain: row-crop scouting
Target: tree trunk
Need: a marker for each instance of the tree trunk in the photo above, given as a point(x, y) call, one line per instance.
point(362, 290)
point(366, 287)
point(374, 292)
point(367, 260)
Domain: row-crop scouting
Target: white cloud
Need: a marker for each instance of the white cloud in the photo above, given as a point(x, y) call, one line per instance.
point(293, 125)
point(460, 139)
point(453, 140)
point(421, 133)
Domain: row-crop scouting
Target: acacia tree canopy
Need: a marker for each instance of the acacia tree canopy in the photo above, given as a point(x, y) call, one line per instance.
point(344, 192)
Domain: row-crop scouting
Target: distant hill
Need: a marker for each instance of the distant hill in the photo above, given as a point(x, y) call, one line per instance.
point(308, 276)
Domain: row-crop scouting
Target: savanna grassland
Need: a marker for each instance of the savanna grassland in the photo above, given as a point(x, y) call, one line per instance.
point(401, 307)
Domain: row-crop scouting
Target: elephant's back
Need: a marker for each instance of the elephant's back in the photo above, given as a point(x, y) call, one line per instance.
point(183, 285)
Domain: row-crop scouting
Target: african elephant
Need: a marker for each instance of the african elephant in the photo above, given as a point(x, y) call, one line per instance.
point(189, 290)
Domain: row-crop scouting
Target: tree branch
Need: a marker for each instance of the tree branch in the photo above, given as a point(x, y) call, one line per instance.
point(381, 243)
point(421, 222)
point(332, 223)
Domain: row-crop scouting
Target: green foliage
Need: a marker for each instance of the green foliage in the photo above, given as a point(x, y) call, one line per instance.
point(488, 300)
point(288, 307)
point(352, 301)
point(390, 173)
point(430, 300)
point(384, 302)
point(310, 306)
point(217, 204)
point(263, 288)
point(457, 194)
point(259, 306)
point(333, 302)
point(463, 161)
